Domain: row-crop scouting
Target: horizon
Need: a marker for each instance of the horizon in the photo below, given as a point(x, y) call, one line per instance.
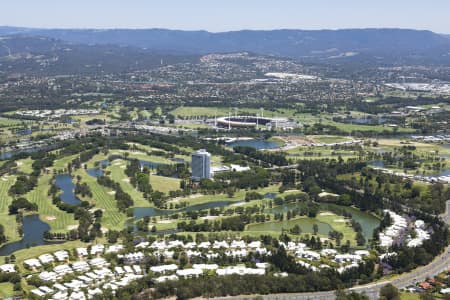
point(232, 15)
point(210, 31)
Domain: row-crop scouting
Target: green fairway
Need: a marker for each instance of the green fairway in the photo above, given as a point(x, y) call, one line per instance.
point(118, 175)
point(8, 221)
point(103, 198)
point(7, 122)
point(25, 165)
point(59, 221)
point(326, 222)
point(238, 196)
point(197, 111)
point(329, 139)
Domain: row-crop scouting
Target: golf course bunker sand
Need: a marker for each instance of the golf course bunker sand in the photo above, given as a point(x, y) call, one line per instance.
point(209, 217)
point(339, 220)
point(112, 192)
point(177, 199)
point(326, 213)
point(164, 222)
point(50, 218)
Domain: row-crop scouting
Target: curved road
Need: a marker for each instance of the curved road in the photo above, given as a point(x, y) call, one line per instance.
point(439, 264)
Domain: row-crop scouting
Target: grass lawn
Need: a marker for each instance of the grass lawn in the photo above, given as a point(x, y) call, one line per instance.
point(8, 221)
point(143, 156)
point(61, 164)
point(6, 290)
point(409, 296)
point(24, 254)
point(326, 222)
point(25, 165)
point(7, 122)
point(329, 139)
point(238, 196)
point(196, 111)
point(164, 184)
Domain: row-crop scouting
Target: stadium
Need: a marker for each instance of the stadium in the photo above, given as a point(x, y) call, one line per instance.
point(244, 121)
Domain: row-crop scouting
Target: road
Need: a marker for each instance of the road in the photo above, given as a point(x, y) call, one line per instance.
point(439, 264)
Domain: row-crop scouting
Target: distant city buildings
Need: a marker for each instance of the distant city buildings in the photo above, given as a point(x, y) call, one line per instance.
point(201, 165)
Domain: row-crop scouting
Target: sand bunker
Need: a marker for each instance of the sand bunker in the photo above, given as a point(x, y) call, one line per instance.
point(339, 221)
point(326, 214)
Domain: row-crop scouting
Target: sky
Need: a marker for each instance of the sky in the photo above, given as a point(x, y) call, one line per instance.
point(227, 15)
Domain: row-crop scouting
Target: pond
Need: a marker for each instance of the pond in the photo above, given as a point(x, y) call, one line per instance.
point(33, 230)
point(270, 196)
point(150, 164)
point(257, 144)
point(96, 172)
point(368, 121)
point(64, 183)
point(140, 212)
point(376, 163)
point(9, 154)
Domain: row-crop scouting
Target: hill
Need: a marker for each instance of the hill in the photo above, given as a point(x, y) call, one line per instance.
point(44, 55)
point(346, 45)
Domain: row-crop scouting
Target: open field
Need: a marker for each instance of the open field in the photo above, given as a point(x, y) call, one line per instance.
point(7, 122)
point(197, 111)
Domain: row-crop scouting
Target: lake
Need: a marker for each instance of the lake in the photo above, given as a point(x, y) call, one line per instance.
point(96, 172)
point(254, 143)
point(33, 230)
point(64, 183)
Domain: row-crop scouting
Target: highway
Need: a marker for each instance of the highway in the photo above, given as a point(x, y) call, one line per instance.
point(439, 264)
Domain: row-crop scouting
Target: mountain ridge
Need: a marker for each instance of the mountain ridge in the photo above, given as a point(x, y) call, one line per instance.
point(370, 45)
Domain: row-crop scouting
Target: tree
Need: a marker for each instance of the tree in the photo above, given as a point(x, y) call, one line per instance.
point(315, 228)
point(389, 292)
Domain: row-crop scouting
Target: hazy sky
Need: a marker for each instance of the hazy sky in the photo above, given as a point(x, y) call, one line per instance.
point(224, 15)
